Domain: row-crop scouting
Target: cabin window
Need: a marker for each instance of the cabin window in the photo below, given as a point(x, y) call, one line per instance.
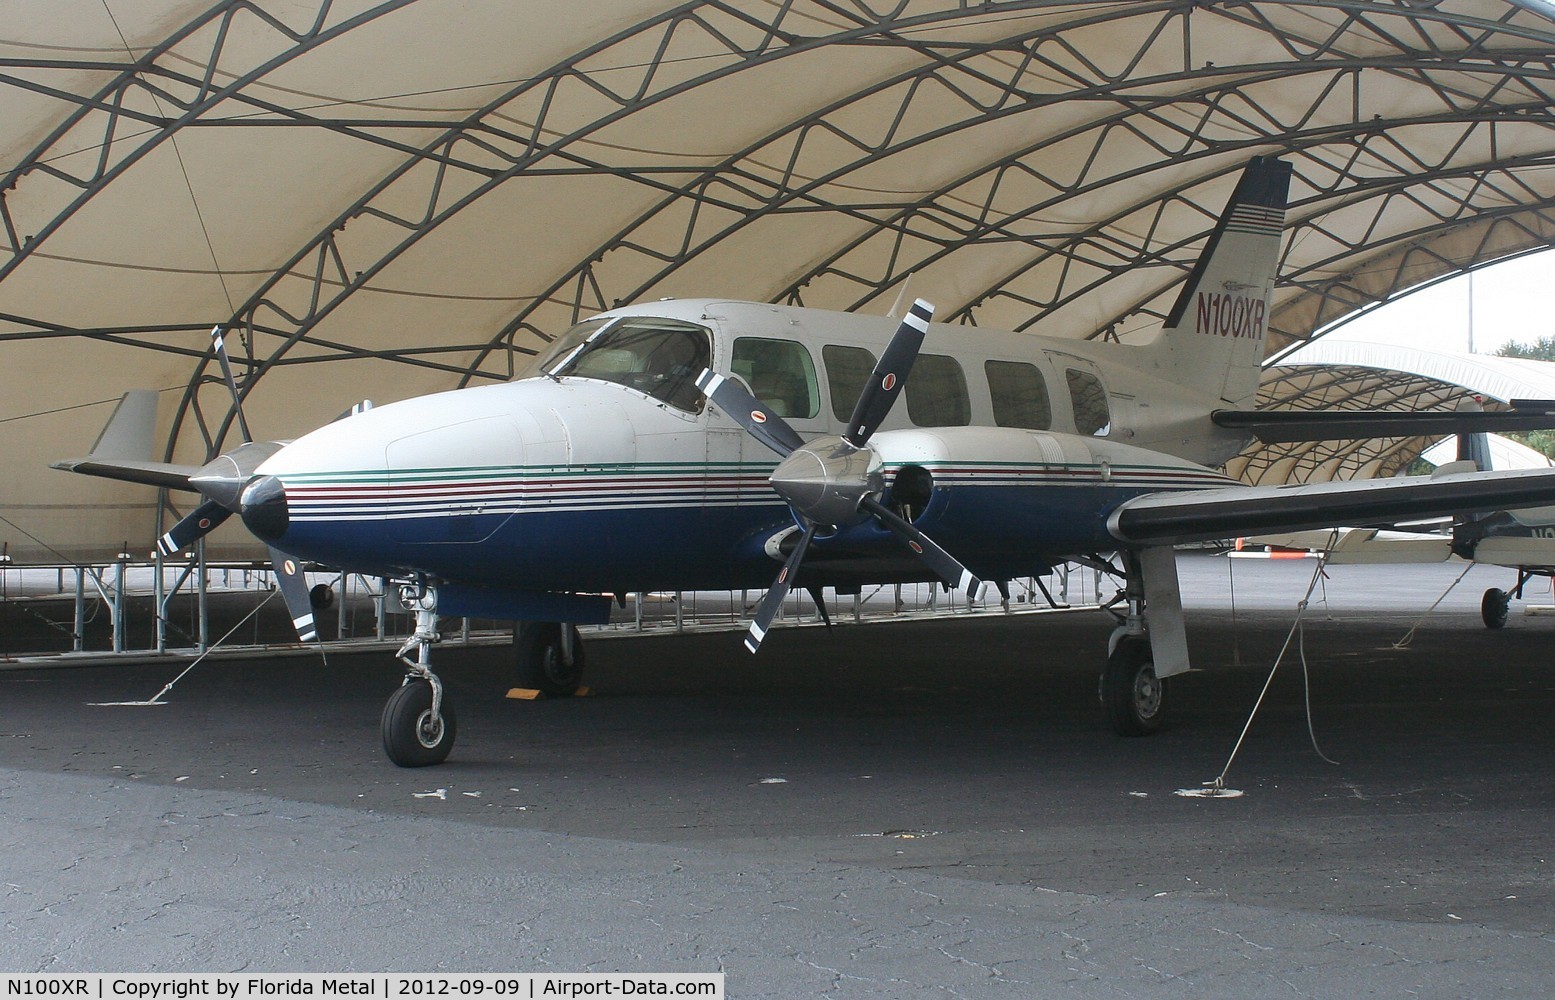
point(1089, 399)
point(936, 393)
point(659, 357)
point(847, 370)
point(1019, 395)
point(780, 373)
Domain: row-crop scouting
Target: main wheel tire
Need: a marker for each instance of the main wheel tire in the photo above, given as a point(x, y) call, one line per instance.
point(1493, 607)
point(412, 737)
point(1133, 696)
point(540, 666)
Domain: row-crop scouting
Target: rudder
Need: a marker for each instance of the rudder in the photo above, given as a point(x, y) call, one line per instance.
point(1213, 338)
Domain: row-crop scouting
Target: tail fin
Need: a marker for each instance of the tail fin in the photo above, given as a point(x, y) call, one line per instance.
point(1213, 338)
point(124, 448)
point(1474, 446)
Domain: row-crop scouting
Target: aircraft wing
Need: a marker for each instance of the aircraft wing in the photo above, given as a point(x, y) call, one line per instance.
point(1285, 426)
point(173, 477)
point(1201, 515)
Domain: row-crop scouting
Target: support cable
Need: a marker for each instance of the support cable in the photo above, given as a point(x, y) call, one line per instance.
point(156, 698)
point(1409, 637)
point(1217, 788)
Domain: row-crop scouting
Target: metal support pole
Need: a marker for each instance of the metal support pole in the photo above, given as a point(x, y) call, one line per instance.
point(202, 636)
point(159, 601)
point(78, 632)
point(680, 623)
point(117, 606)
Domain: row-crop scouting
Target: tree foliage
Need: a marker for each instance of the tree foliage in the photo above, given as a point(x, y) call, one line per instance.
point(1542, 349)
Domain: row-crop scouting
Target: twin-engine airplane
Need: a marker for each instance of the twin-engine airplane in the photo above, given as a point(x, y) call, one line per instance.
point(637, 454)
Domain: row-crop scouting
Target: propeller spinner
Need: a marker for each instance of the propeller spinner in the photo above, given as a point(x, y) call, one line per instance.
point(834, 481)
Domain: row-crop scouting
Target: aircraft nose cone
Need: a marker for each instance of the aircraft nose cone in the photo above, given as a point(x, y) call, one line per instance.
point(264, 508)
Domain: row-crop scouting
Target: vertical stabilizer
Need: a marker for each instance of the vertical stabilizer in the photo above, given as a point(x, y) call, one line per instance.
point(1213, 340)
point(129, 433)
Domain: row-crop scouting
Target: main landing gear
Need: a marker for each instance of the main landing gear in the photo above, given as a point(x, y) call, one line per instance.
point(548, 658)
point(418, 724)
point(1132, 696)
point(1493, 606)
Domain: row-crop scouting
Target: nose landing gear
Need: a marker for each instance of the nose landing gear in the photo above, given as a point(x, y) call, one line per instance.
point(418, 725)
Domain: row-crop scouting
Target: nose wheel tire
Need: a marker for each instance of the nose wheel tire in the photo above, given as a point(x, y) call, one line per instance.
point(412, 735)
point(1493, 607)
point(1133, 696)
point(541, 661)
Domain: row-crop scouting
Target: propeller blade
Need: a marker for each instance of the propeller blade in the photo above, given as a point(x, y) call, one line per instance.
point(890, 375)
point(194, 526)
point(219, 345)
point(294, 591)
point(768, 608)
point(945, 566)
point(755, 416)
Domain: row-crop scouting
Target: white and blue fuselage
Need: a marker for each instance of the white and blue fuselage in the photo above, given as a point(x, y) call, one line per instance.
point(602, 470)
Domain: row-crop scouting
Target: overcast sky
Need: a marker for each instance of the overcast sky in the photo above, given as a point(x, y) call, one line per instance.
point(1513, 301)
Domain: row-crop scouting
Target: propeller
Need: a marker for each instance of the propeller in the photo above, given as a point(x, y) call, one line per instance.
point(194, 526)
point(835, 481)
point(294, 591)
point(219, 347)
point(222, 482)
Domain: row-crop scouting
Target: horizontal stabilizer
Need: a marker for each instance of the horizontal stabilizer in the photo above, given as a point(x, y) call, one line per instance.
point(123, 450)
point(1201, 515)
point(1285, 426)
point(164, 474)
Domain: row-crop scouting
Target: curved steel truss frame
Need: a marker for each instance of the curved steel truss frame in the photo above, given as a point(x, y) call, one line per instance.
point(1422, 136)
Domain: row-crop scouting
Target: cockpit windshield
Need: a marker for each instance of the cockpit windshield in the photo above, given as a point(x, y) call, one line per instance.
point(659, 357)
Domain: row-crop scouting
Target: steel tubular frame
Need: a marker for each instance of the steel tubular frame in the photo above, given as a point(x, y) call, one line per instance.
point(1490, 78)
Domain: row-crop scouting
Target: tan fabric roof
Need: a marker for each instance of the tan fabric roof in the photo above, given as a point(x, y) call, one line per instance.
point(415, 194)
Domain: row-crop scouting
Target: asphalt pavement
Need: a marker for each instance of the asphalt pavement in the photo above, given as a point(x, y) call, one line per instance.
point(914, 809)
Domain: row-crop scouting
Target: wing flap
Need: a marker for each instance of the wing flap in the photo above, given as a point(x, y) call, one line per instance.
point(1201, 515)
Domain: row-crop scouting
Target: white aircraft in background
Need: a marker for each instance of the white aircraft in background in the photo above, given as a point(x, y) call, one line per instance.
point(706, 444)
point(1522, 540)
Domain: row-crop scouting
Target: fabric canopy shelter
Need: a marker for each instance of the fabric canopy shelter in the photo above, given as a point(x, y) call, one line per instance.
point(385, 199)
